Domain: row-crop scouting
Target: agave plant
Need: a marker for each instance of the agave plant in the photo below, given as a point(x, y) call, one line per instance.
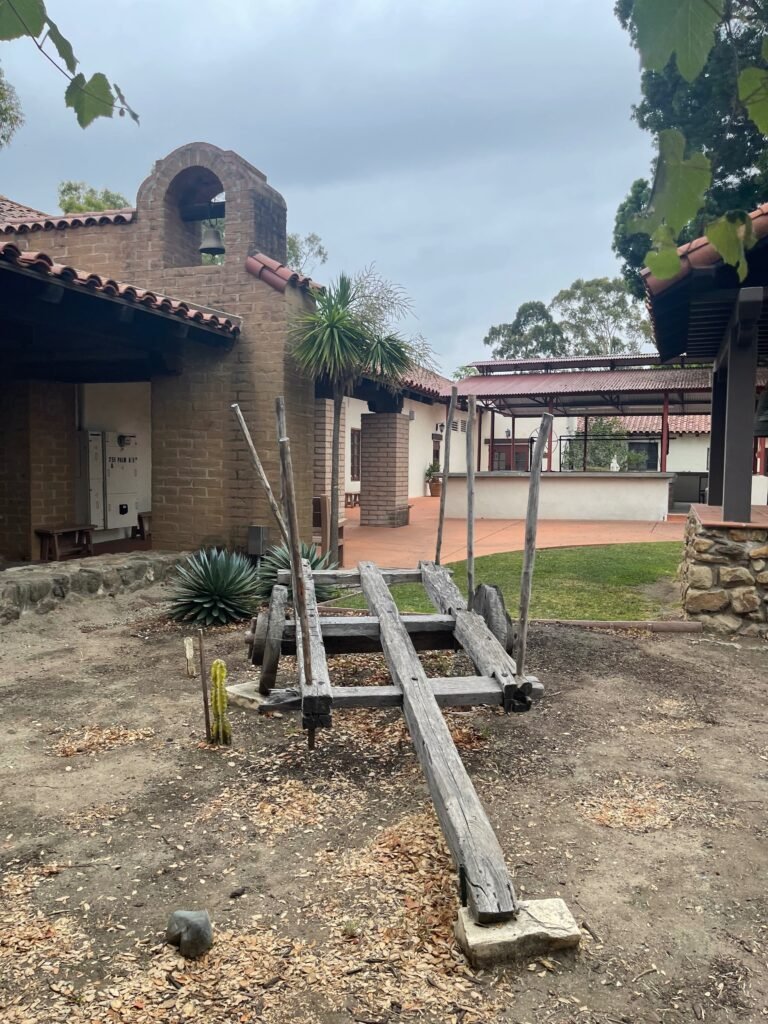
point(215, 587)
point(278, 558)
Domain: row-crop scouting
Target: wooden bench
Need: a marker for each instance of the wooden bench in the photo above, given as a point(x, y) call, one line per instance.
point(352, 499)
point(60, 542)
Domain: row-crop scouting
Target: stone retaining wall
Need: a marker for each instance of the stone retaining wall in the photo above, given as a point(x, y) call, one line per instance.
point(41, 588)
point(724, 577)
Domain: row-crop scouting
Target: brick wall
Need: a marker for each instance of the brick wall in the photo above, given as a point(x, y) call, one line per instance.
point(52, 454)
point(384, 469)
point(15, 523)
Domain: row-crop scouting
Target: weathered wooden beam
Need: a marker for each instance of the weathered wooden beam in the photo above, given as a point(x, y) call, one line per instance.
point(468, 832)
point(446, 470)
point(273, 639)
point(456, 692)
point(441, 590)
point(351, 577)
point(316, 697)
point(531, 526)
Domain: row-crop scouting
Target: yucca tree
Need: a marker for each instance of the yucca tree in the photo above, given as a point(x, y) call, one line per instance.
point(346, 337)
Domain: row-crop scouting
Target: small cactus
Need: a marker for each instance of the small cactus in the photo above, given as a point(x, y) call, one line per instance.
point(221, 730)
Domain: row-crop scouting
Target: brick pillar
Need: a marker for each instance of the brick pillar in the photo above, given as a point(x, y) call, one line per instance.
point(52, 454)
point(384, 469)
point(15, 513)
point(323, 438)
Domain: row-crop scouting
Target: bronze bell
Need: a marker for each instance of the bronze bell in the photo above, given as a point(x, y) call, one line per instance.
point(212, 242)
point(761, 416)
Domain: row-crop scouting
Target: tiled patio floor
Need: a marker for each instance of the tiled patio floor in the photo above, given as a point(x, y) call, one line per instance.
point(404, 547)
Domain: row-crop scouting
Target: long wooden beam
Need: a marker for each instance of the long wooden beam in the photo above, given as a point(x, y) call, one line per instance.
point(351, 577)
point(316, 696)
point(468, 832)
point(345, 634)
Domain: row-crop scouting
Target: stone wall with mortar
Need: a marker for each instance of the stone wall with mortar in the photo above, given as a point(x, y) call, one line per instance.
point(724, 576)
point(42, 588)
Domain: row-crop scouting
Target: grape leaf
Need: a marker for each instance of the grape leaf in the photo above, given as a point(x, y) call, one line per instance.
point(678, 187)
point(663, 260)
point(63, 46)
point(732, 234)
point(90, 99)
point(753, 93)
point(683, 27)
point(24, 18)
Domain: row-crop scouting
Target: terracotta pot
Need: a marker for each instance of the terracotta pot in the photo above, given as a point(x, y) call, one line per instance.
point(435, 488)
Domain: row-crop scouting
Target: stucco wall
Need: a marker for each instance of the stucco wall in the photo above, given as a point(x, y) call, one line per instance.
point(569, 496)
point(688, 453)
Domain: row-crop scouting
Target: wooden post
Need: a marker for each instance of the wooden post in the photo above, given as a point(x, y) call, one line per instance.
point(529, 554)
point(471, 499)
point(512, 442)
point(664, 433)
point(549, 446)
point(204, 680)
point(717, 437)
point(492, 440)
point(261, 474)
point(586, 441)
point(446, 470)
point(292, 516)
point(479, 440)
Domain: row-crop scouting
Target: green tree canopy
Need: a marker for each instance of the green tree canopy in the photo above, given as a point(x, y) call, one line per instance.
point(705, 99)
point(80, 197)
point(11, 117)
point(594, 317)
point(89, 97)
point(305, 252)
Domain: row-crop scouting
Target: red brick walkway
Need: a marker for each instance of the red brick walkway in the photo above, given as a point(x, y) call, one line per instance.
point(404, 547)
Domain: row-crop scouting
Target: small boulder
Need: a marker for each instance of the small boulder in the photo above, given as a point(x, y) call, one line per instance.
point(705, 600)
point(745, 599)
point(191, 931)
point(700, 577)
point(736, 576)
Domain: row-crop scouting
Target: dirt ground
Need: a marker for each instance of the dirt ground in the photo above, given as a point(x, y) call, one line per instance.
point(636, 790)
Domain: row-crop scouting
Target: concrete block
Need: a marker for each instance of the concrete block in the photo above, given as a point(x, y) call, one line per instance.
point(542, 926)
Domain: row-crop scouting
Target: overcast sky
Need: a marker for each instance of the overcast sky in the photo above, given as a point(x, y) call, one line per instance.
point(476, 150)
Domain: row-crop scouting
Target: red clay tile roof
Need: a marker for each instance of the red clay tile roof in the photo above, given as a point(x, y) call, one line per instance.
point(11, 210)
point(19, 225)
point(427, 382)
point(701, 253)
point(276, 274)
point(585, 382)
point(41, 263)
point(695, 424)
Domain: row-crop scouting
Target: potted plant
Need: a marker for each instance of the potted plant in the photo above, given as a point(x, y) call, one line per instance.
point(433, 479)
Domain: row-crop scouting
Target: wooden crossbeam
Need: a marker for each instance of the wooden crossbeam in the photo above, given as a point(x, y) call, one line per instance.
point(316, 697)
point(351, 577)
point(449, 692)
point(466, 827)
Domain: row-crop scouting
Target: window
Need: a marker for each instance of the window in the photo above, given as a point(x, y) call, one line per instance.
point(354, 472)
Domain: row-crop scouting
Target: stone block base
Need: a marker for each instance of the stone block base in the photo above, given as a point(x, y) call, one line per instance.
point(542, 926)
point(724, 577)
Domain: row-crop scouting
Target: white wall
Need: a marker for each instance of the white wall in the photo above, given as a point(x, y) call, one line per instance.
point(125, 408)
point(566, 496)
point(688, 453)
point(760, 490)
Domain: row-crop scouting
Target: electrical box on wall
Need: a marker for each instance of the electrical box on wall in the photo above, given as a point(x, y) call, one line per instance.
point(121, 479)
point(90, 479)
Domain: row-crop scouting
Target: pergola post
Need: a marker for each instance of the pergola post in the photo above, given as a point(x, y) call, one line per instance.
point(717, 438)
point(761, 468)
point(512, 440)
point(741, 354)
point(479, 439)
point(550, 406)
point(586, 437)
point(493, 438)
point(664, 432)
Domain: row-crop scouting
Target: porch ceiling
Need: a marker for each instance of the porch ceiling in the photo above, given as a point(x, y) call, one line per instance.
point(59, 324)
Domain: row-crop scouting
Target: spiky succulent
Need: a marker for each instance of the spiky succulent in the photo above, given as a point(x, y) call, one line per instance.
point(278, 558)
point(215, 587)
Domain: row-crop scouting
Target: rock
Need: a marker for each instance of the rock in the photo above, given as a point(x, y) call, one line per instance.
point(191, 931)
point(754, 630)
point(759, 565)
point(706, 600)
point(39, 587)
point(761, 577)
point(745, 599)
point(735, 576)
point(735, 552)
point(46, 605)
point(724, 623)
point(703, 544)
point(742, 535)
point(700, 577)
point(541, 927)
point(761, 552)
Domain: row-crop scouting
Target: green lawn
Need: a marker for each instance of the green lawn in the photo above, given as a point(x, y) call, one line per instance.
point(608, 582)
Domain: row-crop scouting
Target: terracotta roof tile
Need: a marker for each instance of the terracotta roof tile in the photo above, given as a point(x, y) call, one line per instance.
point(41, 263)
point(11, 210)
point(18, 225)
point(701, 253)
point(428, 382)
point(276, 274)
point(678, 424)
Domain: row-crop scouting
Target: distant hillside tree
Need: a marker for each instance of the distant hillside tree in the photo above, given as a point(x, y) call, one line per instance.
point(80, 197)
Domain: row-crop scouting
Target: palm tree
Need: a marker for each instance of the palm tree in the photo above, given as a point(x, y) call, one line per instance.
point(342, 339)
